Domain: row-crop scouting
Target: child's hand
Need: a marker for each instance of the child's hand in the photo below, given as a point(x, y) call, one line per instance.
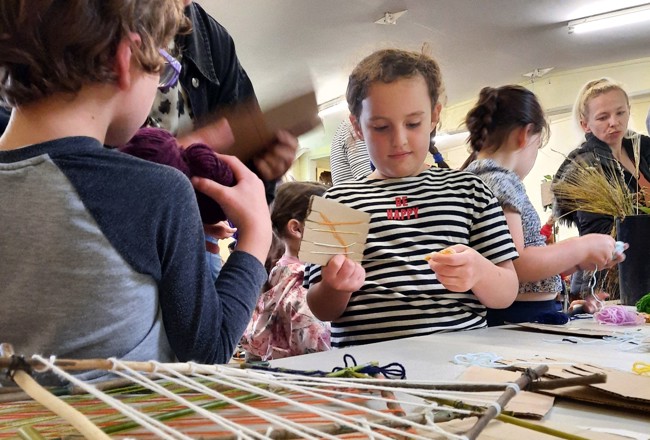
point(217, 135)
point(600, 251)
point(343, 274)
point(274, 162)
point(328, 298)
point(457, 270)
point(219, 230)
point(245, 205)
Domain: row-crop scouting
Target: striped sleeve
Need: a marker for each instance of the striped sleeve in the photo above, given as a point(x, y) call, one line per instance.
point(349, 158)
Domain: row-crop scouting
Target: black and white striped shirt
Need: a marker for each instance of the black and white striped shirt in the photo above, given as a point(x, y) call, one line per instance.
point(410, 218)
point(349, 158)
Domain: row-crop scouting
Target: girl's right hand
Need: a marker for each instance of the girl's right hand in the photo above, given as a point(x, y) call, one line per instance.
point(343, 274)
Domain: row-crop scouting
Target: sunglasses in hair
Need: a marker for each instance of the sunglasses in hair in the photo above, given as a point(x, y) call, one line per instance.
point(170, 71)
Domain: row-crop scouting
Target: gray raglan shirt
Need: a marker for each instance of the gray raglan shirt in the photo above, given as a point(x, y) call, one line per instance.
point(102, 254)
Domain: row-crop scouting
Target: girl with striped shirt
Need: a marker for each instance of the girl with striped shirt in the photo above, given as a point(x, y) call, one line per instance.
point(394, 101)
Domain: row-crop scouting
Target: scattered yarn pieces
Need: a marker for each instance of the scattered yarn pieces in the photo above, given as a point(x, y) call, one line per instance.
point(478, 359)
point(618, 315)
point(643, 304)
point(641, 368)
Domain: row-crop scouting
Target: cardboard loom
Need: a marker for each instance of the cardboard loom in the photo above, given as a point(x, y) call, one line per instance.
point(622, 389)
point(583, 327)
point(254, 130)
point(524, 404)
point(332, 229)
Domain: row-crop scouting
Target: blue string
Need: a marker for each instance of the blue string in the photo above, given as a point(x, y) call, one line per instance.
point(438, 158)
point(393, 370)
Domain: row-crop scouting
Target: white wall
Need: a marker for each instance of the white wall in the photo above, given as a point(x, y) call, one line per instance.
point(556, 91)
point(557, 94)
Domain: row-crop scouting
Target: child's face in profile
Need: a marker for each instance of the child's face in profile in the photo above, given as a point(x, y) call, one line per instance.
point(396, 122)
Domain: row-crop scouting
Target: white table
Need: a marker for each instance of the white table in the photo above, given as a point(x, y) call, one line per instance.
point(430, 358)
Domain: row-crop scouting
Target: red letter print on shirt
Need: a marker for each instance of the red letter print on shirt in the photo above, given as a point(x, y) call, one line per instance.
point(403, 211)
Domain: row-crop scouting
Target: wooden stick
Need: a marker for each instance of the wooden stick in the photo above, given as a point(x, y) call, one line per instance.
point(58, 406)
point(539, 428)
point(523, 382)
point(29, 433)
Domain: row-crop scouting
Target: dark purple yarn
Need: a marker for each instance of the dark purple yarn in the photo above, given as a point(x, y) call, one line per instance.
point(160, 146)
point(156, 145)
point(202, 162)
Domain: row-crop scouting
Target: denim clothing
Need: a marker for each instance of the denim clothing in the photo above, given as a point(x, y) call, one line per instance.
point(4, 119)
point(211, 73)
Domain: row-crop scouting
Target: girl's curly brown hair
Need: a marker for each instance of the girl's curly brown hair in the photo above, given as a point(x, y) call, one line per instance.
point(389, 65)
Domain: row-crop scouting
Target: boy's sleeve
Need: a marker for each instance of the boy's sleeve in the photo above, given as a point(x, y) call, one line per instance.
point(203, 321)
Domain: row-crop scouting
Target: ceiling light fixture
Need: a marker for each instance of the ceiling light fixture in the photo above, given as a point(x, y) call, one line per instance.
point(335, 105)
point(608, 20)
point(537, 73)
point(391, 17)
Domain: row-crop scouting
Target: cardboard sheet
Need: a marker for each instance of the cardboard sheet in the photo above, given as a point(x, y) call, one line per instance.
point(622, 389)
point(586, 328)
point(254, 130)
point(497, 430)
point(332, 229)
point(524, 404)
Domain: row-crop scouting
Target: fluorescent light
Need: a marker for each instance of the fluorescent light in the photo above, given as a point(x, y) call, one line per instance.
point(621, 17)
point(335, 105)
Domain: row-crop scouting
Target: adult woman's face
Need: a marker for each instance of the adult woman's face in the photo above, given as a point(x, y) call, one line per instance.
point(607, 117)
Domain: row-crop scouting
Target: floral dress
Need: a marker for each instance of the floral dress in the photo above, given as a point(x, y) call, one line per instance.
point(282, 324)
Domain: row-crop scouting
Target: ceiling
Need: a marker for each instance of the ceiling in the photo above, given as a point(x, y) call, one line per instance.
point(287, 45)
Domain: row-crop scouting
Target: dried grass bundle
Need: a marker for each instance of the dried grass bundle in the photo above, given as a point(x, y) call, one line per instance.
point(590, 188)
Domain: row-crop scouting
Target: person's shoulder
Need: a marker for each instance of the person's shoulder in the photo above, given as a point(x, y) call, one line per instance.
point(197, 15)
point(494, 174)
point(140, 175)
point(454, 176)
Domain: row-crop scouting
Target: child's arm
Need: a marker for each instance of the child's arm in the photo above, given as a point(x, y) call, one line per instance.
point(495, 285)
point(539, 262)
point(328, 298)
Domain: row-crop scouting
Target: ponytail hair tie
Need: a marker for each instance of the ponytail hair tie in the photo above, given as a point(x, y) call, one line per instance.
point(438, 158)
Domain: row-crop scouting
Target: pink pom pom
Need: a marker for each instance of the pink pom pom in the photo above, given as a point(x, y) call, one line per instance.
point(618, 315)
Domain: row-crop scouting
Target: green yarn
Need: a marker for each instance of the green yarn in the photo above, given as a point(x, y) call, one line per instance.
point(643, 305)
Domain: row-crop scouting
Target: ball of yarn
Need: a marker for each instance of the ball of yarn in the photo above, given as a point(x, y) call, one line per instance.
point(202, 162)
point(643, 304)
point(160, 146)
point(618, 315)
point(156, 145)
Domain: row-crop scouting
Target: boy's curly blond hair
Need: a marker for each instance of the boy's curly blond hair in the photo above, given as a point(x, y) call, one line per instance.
point(57, 46)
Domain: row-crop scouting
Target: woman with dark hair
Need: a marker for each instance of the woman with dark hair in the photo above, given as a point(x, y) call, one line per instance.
point(506, 129)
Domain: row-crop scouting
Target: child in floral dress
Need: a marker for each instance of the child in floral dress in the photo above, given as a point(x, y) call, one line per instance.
point(282, 324)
